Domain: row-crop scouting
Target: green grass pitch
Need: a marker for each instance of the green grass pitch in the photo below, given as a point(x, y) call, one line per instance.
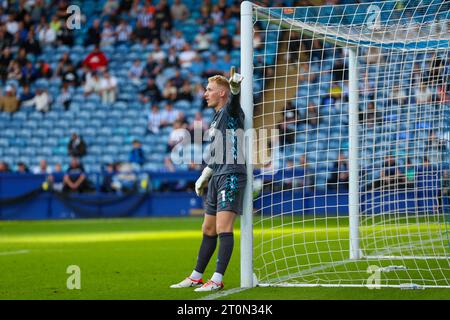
point(133, 259)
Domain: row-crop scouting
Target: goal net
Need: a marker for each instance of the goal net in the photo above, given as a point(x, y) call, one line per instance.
point(355, 185)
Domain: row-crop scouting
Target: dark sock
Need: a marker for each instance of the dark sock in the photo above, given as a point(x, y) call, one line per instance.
point(225, 250)
point(206, 251)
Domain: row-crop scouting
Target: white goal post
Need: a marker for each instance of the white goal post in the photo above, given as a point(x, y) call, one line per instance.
point(355, 190)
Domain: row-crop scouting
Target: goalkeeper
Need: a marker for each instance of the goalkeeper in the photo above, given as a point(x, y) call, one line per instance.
point(225, 177)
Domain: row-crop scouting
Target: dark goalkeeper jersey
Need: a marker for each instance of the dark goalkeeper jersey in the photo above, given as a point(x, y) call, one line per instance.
point(227, 126)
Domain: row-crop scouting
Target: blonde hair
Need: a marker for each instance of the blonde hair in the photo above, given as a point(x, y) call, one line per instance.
point(220, 80)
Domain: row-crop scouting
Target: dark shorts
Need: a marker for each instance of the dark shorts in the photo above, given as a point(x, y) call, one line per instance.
point(225, 193)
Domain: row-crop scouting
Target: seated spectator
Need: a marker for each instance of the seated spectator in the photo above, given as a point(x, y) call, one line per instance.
point(154, 32)
point(125, 179)
point(75, 179)
point(14, 72)
point(22, 168)
point(136, 71)
point(185, 92)
point(43, 69)
point(137, 154)
point(177, 79)
point(108, 88)
point(178, 41)
point(76, 146)
point(286, 134)
point(94, 32)
point(70, 76)
point(158, 55)
point(150, 93)
point(179, 11)
point(56, 178)
point(172, 60)
point(340, 175)
point(95, 60)
point(5, 59)
point(26, 98)
point(178, 135)
point(108, 35)
point(169, 115)
point(170, 91)
point(124, 32)
point(217, 15)
point(154, 120)
point(107, 182)
point(42, 168)
point(398, 96)
point(423, 94)
point(65, 97)
point(63, 64)
point(203, 40)
point(29, 73)
point(187, 56)
point(92, 84)
point(110, 8)
point(46, 35)
point(42, 100)
point(225, 40)
point(141, 33)
point(8, 101)
point(152, 68)
point(4, 167)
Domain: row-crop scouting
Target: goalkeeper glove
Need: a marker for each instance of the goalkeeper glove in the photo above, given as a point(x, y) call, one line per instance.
point(202, 182)
point(235, 81)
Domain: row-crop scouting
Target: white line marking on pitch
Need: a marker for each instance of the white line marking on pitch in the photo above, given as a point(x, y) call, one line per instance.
point(223, 294)
point(10, 253)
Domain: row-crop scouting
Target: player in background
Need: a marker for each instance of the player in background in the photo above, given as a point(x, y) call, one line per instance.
point(225, 177)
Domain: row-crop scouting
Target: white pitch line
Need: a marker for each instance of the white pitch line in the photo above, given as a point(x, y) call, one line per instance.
point(221, 294)
point(10, 253)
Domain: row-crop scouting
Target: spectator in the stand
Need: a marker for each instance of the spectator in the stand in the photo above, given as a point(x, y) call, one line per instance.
point(94, 33)
point(150, 93)
point(178, 41)
point(140, 33)
point(423, 94)
point(217, 15)
point(55, 24)
point(65, 97)
point(169, 115)
point(398, 96)
point(340, 175)
point(26, 97)
point(8, 101)
point(152, 68)
point(170, 91)
point(187, 56)
point(179, 11)
point(287, 134)
point(29, 73)
point(137, 154)
point(63, 64)
point(145, 15)
point(46, 35)
point(107, 181)
point(198, 124)
point(154, 120)
point(5, 59)
point(42, 100)
point(177, 79)
point(110, 8)
point(76, 146)
point(165, 32)
point(225, 40)
point(95, 60)
point(172, 60)
point(136, 72)
point(124, 32)
point(31, 45)
point(22, 168)
point(108, 88)
point(154, 32)
point(312, 116)
point(185, 92)
point(43, 69)
point(390, 173)
point(162, 14)
point(42, 168)
point(75, 178)
point(4, 167)
point(177, 136)
point(92, 84)
point(203, 40)
point(65, 36)
point(158, 55)
point(14, 72)
point(108, 35)
point(70, 76)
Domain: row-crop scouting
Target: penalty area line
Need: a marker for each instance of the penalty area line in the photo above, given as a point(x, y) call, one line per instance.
point(10, 253)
